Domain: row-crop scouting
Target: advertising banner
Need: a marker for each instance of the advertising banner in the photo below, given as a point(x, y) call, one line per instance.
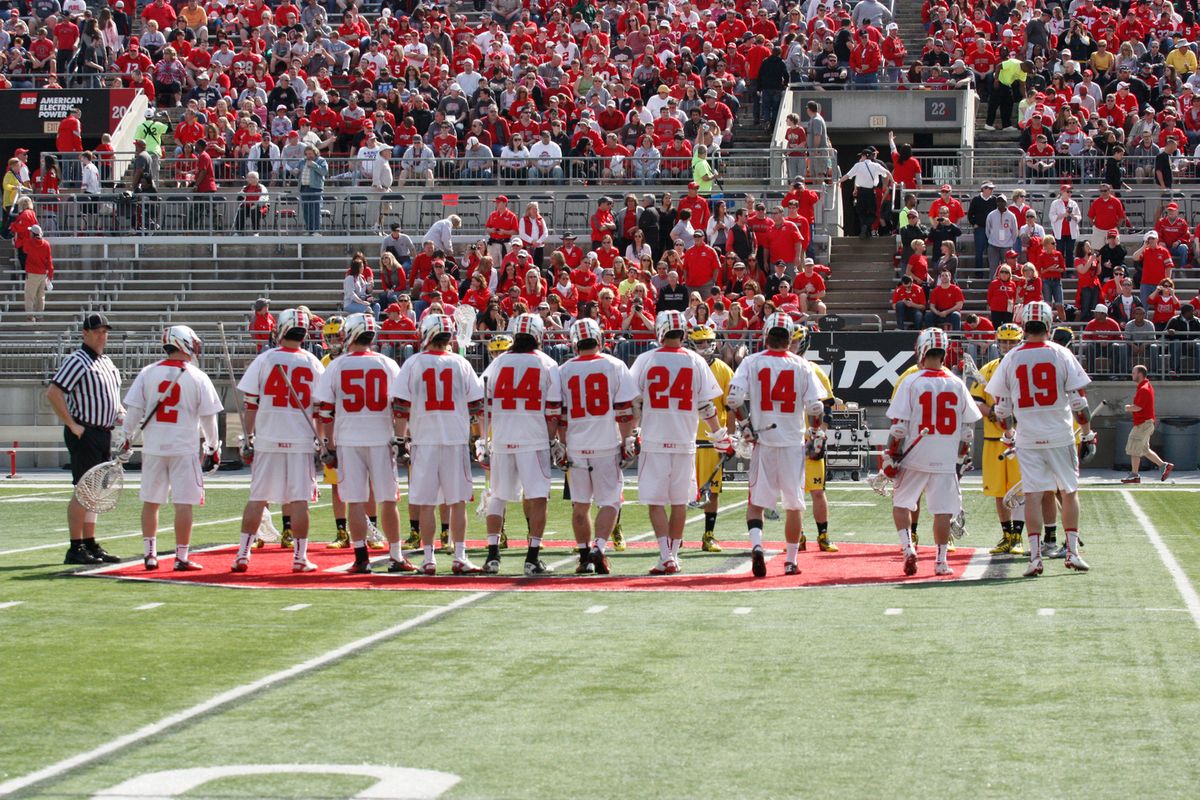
point(864, 367)
point(36, 113)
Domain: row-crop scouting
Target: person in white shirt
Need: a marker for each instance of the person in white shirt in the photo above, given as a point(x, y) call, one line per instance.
point(368, 153)
point(182, 405)
point(522, 395)
point(596, 428)
point(278, 441)
point(934, 415)
point(91, 174)
point(441, 233)
point(777, 398)
point(677, 390)
point(545, 160)
point(1039, 388)
point(437, 392)
point(355, 415)
point(417, 163)
point(469, 79)
point(514, 160)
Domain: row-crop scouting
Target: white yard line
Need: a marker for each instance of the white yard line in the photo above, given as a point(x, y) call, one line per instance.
point(893, 612)
point(595, 609)
point(978, 565)
point(742, 610)
point(297, 607)
point(147, 606)
point(1186, 590)
point(12, 604)
point(1045, 612)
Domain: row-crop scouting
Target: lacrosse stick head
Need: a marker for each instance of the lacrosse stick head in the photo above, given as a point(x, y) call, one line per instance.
point(484, 498)
point(100, 487)
point(958, 524)
point(881, 484)
point(267, 531)
point(464, 322)
point(701, 499)
point(1014, 496)
point(743, 447)
point(970, 369)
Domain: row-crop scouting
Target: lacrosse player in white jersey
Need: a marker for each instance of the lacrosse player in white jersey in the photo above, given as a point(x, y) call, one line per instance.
point(597, 419)
point(774, 393)
point(523, 399)
point(935, 415)
point(676, 389)
point(355, 412)
point(183, 406)
point(436, 393)
point(279, 440)
point(1039, 390)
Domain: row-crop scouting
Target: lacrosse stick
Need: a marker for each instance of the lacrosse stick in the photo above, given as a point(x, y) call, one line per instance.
point(958, 524)
point(1014, 496)
point(100, 487)
point(485, 434)
point(237, 396)
point(267, 532)
point(464, 324)
point(970, 371)
point(880, 483)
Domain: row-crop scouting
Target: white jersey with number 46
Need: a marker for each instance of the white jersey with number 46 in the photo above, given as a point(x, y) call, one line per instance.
point(673, 384)
point(592, 388)
point(439, 386)
point(935, 401)
point(174, 428)
point(523, 388)
point(359, 387)
point(271, 380)
point(1038, 378)
point(778, 387)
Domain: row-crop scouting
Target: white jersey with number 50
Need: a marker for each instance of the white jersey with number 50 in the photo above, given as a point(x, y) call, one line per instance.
point(592, 388)
point(778, 387)
point(935, 401)
point(359, 387)
point(1038, 378)
point(523, 388)
point(673, 384)
point(279, 423)
point(174, 428)
point(439, 387)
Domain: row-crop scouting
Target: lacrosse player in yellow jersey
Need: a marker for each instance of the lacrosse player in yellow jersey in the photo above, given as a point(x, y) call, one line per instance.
point(708, 461)
point(999, 473)
point(814, 469)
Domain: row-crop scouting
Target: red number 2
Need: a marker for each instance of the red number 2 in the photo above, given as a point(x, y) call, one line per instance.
point(939, 412)
point(783, 392)
point(167, 411)
point(662, 389)
point(589, 397)
point(432, 378)
point(1038, 386)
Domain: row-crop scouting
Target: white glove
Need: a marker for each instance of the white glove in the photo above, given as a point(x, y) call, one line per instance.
point(483, 452)
point(214, 447)
point(816, 445)
point(631, 447)
point(558, 454)
point(121, 445)
point(49, 286)
point(1087, 446)
point(888, 465)
point(1008, 438)
point(722, 442)
point(400, 448)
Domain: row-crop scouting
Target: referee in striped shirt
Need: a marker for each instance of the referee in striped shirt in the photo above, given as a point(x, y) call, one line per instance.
point(85, 393)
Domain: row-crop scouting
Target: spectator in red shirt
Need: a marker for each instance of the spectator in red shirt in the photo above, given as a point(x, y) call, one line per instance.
point(949, 202)
point(262, 325)
point(1137, 446)
point(908, 299)
point(906, 169)
point(397, 333)
point(501, 228)
point(784, 242)
point(701, 265)
point(1106, 212)
point(698, 205)
point(1103, 337)
point(1174, 233)
point(1163, 304)
point(810, 288)
point(1001, 296)
point(945, 303)
point(161, 12)
point(1029, 288)
point(1156, 265)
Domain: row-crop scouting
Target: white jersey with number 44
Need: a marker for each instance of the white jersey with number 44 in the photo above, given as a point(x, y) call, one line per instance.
point(673, 384)
point(778, 387)
point(439, 387)
point(935, 401)
point(592, 387)
point(522, 389)
point(281, 423)
point(1038, 379)
point(360, 386)
point(174, 428)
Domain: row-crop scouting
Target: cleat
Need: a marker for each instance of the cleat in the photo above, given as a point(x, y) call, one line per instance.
point(537, 568)
point(445, 540)
point(240, 565)
point(1073, 561)
point(150, 563)
point(1034, 569)
point(503, 540)
point(304, 566)
point(910, 562)
point(585, 565)
point(618, 541)
point(341, 541)
point(413, 542)
point(1056, 551)
point(791, 568)
point(758, 563)
point(491, 566)
point(600, 562)
point(1005, 545)
point(668, 567)
point(375, 537)
point(98, 552)
point(259, 544)
point(1131, 478)
point(950, 547)
point(708, 543)
point(803, 542)
point(942, 568)
point(1168, 468)
point(1049, 546)
point(79, 555)
point(825, 545)
point(286, 539)
point(360, 568)
point(404, 565)
point(183, 565)
point(465, 568)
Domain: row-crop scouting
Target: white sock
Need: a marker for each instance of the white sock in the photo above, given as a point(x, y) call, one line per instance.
point(395, 552)
point(601, 543)
point(357, 543)
point(181, 552)
point(1035, 546)
point(535, 541)
point(301, 545)
point(941, 553)
point(1073, 542)
point(905, 539)
point(149, 545)
point(793, 550)
point(664, 548)
point(493, 539)
point(460, 551)
point(755, 537)
point(675, 545)
point(428, 551)
point(245, 542)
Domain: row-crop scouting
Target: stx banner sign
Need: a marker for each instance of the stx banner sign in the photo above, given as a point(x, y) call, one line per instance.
point(36, 113)
point(864, 367)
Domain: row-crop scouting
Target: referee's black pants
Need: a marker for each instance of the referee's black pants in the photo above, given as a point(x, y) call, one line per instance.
point(86, 451)
point(865, 207)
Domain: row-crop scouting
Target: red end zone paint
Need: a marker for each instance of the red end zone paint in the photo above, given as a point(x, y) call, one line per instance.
point(270, 568)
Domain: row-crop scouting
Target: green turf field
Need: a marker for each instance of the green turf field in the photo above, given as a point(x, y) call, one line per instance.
point(1066, 686)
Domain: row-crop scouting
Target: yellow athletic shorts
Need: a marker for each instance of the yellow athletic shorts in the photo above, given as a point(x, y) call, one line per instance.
point(330, 476)
point(814, 475)
point(999, 475)
point(707, 460)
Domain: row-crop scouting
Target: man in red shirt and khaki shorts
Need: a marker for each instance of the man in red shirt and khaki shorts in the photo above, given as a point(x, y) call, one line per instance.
point(1137, 446)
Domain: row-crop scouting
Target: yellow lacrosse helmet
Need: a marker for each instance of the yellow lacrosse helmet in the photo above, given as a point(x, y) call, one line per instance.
point(704, 341)
point(1062, 335)
point(331, 333)
point(499, 343)
point(1008, 332)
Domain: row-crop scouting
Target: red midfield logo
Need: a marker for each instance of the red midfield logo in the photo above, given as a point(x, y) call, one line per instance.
point(29, 100)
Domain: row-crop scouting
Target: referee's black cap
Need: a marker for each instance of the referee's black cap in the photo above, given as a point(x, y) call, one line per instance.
point(94, 320)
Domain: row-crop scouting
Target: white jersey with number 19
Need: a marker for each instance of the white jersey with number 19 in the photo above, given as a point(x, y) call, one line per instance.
point(1038, 378)
point(673, 384)
point(359, 387)
point(523, 388)
point(279, 424)
point(592, 388)
point(439, 386)
point(935, 401)
point(778, 387)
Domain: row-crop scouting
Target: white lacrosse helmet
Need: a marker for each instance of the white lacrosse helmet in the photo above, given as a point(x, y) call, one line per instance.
point(181, 337)
point(779, 320)
point(434, 325)
point(292, 318)
point(358, 325)
point(668, 322)
point(931, 339)
point(584, 329)
point(1038, 311)
point(530, 325)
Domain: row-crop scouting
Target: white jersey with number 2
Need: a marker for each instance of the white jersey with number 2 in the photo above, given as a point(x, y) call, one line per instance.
point(271, 380)
point(1038, 378)
point(174, 428)
point(935, 401)
point(592, 387)
point(673, 384)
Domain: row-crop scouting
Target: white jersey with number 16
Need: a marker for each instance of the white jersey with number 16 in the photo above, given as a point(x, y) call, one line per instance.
point(937, 402)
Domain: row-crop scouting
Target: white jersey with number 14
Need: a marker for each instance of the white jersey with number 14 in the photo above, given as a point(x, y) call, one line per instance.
point(778, 387)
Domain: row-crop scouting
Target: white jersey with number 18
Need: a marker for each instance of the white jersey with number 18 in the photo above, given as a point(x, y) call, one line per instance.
point(439, 386)
point(592, 388)
point(1038, 378)
point(935, 401)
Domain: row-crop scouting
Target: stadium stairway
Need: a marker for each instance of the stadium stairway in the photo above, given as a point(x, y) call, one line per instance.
point(862, 276)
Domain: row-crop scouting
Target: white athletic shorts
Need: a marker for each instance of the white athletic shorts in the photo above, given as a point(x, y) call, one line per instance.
point(284, 477)
point(666, 479)
point(596, 479)
point(361, 469)
point(777, 472)
point(527, 470)
point(177, 476)
point(439, 474)
point(1049, 469)
point(942, 494)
